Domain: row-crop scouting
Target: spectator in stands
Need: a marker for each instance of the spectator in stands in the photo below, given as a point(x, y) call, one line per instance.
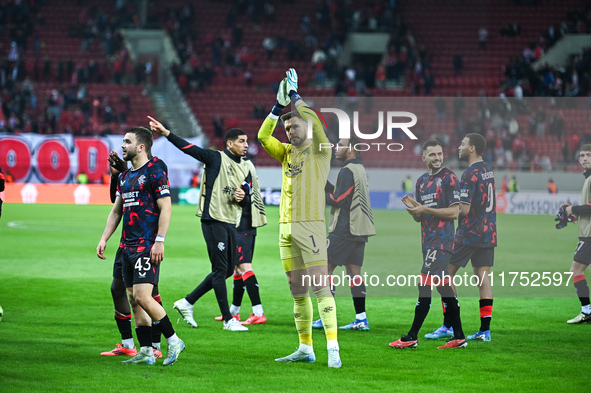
point(482, 38)
point(556, 125)
point(511, 30)
point(269, 43)
point(318, 59)
point(552, 187)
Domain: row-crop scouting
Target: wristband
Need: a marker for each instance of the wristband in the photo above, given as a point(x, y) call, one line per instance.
point(294, 96)
point(160, 238)
point(277, 109)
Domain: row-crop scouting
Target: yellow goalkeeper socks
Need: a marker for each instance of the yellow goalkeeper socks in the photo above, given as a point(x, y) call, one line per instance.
point(328, 312)
point(302, 311)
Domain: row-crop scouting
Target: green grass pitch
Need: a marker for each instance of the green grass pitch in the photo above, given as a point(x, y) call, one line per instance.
point(58, 315)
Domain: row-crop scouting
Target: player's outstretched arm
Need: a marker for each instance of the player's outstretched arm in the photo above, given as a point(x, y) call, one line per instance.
point(204, 155)
point(113, 221)
point(308, 115)
point(578, 210)
point(272, 145)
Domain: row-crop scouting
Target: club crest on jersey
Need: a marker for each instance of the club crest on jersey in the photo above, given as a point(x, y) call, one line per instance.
point(221, 246)
point(294, 169)
point(141, 180)
point(438, 183)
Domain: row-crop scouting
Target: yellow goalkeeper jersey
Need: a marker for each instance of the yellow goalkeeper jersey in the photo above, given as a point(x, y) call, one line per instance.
point(304, 170)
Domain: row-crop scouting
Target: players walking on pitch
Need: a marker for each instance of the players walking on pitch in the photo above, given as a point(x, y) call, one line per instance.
point(143, 203)
point(476, 237)
point(436, 206)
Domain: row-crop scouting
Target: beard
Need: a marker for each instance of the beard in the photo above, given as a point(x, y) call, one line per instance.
point(129, 155)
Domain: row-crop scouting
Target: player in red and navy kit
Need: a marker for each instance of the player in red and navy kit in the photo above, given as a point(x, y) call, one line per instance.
point(143, 203)
point(436, 206)
point(118, 291)
point(476, 237)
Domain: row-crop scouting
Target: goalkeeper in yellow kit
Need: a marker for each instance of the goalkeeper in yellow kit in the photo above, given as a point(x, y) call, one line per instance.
point(302, 229)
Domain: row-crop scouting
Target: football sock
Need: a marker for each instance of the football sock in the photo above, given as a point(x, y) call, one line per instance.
point(421, 311)
point(446, 319)
point(332, 344)
point(361, 316)
point(143, 334)
point(238, 292)
point(234, 310)
point(165, 327)
point(258, 310)
point(252, 287)
point(328, 312)
point(486, 306)
point(302, 312)
point(124, 325)
point(453, 308)
point(172, 339)
point(582, 289)
point(155, 330)
point(358, 294)
point(128, 343)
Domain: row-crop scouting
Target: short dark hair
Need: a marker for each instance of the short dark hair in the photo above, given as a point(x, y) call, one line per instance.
point(586, 147)
point(233, 133)
point(143, 136)
point(291, 114)
point(431, 142)
point(353, 141)
point(478, 142)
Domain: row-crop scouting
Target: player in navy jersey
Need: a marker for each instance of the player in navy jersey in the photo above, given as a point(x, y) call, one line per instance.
point(143, 203)
point(436, 206)
point(476, 236)
point(118, 291)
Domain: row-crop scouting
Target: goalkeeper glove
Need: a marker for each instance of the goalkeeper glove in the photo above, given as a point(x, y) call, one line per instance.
point(282, 98)
point(292, 84)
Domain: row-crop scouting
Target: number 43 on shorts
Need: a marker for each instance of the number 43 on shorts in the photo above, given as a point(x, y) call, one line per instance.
point(145, 266)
